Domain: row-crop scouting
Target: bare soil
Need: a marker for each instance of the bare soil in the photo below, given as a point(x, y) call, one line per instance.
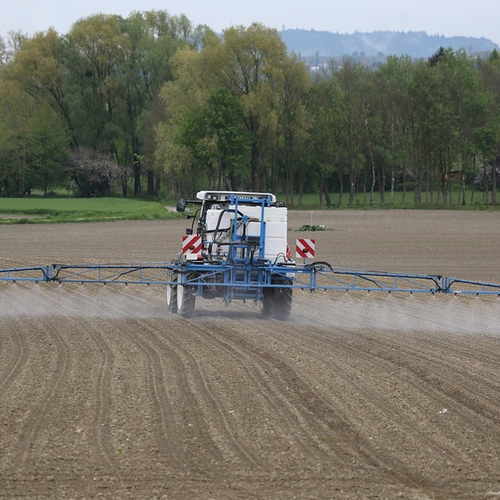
point(104, 394)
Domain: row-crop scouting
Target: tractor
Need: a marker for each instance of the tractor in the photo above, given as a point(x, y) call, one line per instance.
point(237, 251)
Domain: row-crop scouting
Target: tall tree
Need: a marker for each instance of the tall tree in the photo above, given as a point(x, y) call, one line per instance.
point(395, 78)
point(34, 144)
point(326, 107)
point(294, 121)
point(488, 133)
point(47, 151)
point(98, 50)
point(38, 68)
point(226, 133)
point(250, 64)
point(353, 135)
point(154, 37)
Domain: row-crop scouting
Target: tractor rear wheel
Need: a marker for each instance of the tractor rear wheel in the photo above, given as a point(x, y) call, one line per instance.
point(277, 301)
point(267, 302)
point(282, 299)
point(186, 298)
point(172, 293)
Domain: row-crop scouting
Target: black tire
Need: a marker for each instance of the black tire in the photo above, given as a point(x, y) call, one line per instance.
point(282, 299)
point(267, 302)
point(172, 294)
point(186, 298)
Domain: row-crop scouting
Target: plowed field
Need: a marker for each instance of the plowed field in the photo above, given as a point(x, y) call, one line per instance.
point(104, 394)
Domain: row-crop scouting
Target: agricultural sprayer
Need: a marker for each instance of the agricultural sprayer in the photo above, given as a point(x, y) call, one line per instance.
point(236, 249)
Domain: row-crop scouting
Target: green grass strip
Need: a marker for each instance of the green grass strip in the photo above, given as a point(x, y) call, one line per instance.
point(43, 210)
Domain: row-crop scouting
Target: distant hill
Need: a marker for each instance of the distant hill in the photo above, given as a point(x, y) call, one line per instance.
point(311, 43)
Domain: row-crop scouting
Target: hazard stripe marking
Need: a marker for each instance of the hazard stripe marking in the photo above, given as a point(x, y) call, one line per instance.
point(305, 248)
point(191, 244)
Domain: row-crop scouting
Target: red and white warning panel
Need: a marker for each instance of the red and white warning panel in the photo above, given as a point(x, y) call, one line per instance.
point(191, 246)
point(305, 248)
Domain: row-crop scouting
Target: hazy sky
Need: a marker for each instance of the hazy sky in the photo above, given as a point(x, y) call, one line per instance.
point(475, 18)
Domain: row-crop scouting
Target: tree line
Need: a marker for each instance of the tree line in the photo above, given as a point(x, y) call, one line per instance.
point(151, 104)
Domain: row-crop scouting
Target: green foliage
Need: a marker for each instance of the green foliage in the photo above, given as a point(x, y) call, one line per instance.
point(47, 151)
point(101, 79)
point(236, 85)
point(313, 227)
point(173, 107)
point(215, 137)
point(34, 145)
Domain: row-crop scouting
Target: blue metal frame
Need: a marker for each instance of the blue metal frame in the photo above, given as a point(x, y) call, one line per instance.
point(33, 273)
point(242, 281)
point(237, 241)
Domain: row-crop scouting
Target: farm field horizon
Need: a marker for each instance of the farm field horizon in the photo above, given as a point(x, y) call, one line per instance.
point(40, 210)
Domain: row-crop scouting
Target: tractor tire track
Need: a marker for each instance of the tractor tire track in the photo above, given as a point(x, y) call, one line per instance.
point(40, 413)
point(214, 434)
point(271, 384)
point(101, 428)
point(309, 404)
point(217, 434)
point(318, 412)
point(362, 364)
point(196, 431)
point(439, 354)
point(374, 457)
point(167, 435)
point(174, 433)
point(15, 362)
point(217, 419)
point(459, 384)
point(110, 309)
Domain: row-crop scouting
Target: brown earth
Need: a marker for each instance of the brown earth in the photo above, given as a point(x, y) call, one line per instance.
point(104, 394)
